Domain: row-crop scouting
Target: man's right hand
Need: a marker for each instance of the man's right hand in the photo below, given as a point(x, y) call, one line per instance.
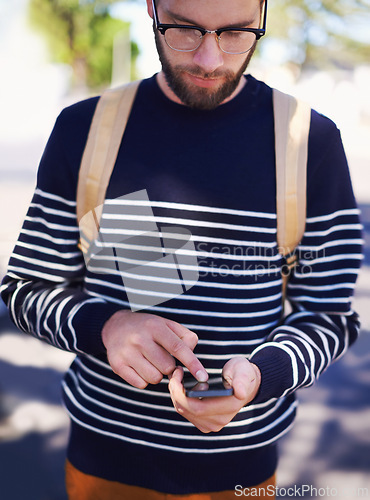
point(142, 347)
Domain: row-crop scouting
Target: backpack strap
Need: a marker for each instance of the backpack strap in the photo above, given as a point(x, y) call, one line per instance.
point(99, 157)
point(292, 124)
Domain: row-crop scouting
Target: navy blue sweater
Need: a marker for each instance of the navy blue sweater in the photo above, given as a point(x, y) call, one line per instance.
point(211, 173)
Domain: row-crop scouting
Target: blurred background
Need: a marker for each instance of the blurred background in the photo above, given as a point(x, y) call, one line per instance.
point(55, 52)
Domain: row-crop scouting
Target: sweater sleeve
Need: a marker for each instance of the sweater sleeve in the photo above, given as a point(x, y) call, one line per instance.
point(44, 285)
point(322, 323)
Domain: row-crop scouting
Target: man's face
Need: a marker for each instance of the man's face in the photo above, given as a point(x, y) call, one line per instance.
point(206, 77)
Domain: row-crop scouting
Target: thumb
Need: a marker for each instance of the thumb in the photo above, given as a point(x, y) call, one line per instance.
point(175, 378)
point(243, 377)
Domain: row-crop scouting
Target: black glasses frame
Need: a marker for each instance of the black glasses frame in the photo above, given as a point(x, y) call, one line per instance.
point(162, 28)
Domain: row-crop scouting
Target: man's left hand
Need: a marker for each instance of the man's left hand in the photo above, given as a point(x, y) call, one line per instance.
point(212, 414)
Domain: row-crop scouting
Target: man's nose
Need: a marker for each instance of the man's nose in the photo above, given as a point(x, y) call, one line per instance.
point(208, 55)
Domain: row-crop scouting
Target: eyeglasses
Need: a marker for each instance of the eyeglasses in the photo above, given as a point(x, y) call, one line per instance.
point(187, 38)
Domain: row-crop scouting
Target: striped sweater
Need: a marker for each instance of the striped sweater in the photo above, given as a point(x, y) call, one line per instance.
point(208, 179)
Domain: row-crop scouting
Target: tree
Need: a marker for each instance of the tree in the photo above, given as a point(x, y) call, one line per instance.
point(319, 33)
point(81, 33)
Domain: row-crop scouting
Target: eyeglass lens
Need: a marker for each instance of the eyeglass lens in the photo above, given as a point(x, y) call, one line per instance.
point(232, 42)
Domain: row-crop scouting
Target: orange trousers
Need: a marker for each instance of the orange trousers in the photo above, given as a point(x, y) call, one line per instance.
point(82, 486)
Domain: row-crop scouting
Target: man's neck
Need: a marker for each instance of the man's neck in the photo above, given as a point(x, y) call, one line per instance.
point(168, 92)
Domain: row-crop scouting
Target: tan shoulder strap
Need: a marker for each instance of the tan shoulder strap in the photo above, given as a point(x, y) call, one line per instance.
point(292, 124)
point(99, 157)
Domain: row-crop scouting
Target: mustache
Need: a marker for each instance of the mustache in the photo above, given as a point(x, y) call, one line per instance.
point(196, 71)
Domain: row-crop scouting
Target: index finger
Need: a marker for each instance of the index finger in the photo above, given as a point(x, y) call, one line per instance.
point(189, 337)
point(176, 345)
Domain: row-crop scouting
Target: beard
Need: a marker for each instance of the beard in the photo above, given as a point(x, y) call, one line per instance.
point(192, 95)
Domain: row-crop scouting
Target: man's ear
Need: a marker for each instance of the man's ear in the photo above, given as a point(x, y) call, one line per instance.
point(149, 6)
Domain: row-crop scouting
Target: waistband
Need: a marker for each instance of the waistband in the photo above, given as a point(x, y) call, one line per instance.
point(167, 471)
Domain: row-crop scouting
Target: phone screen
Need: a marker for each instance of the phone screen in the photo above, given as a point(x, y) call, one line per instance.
point(214, 387)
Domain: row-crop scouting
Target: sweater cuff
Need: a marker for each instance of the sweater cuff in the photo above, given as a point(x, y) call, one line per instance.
point(276, 372)
point(88, 324)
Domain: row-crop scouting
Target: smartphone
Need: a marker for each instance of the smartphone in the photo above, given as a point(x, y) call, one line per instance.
point(216, 386)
